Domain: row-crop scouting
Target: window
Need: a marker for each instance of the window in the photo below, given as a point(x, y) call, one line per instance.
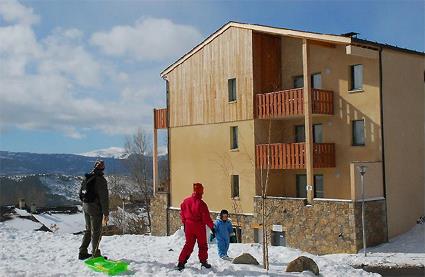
point(318, 186)
point(235, 185)
point(358, 133)
point(317, 133)
point(258, 235)
point(316, 80)
point(278, 238)
point(298, 81)
point(231, 83)
point(234, 137)
point(302, 184)
point(356, 77)
point(299, 133)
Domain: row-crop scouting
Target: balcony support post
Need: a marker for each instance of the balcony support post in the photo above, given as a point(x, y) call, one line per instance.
point(308, 123)
point(155, 154)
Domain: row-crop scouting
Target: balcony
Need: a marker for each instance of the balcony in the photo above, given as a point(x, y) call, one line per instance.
point(160, 118)
point(290, 102)
point(292, 155)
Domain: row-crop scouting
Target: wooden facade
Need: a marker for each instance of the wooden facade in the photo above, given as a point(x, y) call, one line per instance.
point(292, 155)
point(198, 88)
point(267, 65)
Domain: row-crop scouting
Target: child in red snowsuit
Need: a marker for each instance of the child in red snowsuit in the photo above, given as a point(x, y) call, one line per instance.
point(195, 215)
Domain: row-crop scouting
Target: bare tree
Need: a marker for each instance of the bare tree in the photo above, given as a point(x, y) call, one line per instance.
point(139, 149)
point(264, 181)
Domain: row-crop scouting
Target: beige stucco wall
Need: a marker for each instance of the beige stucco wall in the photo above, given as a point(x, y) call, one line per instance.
point(373, 180)
point(403, 100)
point(333, 63)
point(201, 153)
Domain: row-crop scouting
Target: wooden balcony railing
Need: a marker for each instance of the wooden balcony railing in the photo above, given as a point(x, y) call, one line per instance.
point(160, 118)
point(291, 102)
point(292, 155)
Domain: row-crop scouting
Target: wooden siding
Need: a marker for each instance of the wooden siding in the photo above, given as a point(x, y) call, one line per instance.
point(292, 155)
point(198, 88)
point(266, 62)
point(291, 102)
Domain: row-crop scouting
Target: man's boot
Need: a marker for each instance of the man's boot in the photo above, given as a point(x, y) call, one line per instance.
point(84, 256)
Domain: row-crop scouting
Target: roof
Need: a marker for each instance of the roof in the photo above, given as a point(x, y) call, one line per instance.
point(385, 45)
point(329, 38)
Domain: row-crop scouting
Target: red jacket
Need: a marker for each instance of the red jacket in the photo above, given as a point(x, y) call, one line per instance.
point(194, 210)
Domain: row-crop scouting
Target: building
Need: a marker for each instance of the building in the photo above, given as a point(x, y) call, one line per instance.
point(237, 107)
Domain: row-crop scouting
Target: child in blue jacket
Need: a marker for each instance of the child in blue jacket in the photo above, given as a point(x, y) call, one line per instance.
point(223, 229)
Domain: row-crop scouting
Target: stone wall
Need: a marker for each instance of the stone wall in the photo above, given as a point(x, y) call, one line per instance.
point(327, 226)
point(376, 223)
point(159, 214)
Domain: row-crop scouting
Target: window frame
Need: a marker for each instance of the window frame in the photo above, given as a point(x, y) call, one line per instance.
point(232, 90)
point(353, 133)
point(296, 137)
point(297, 178)
point(234, 138)
point(312, 80)
point(314, 133)
point(232, 188)
point(315, 185)
point(352, 87)
point(294, 79)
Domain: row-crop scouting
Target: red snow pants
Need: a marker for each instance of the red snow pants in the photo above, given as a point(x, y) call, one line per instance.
point(194, 232)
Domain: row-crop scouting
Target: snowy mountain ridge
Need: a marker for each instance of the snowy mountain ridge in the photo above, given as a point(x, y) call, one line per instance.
point(111, 152)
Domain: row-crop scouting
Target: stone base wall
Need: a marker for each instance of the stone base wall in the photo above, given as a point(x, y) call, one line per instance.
point(159, 216)
point(327, 226)
point(376, 223)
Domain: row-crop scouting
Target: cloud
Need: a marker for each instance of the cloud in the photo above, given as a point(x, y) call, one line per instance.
point(13, 11)
point(149, 39)
point(60, 83)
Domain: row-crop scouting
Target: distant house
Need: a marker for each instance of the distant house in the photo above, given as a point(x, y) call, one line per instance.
point(306, 110)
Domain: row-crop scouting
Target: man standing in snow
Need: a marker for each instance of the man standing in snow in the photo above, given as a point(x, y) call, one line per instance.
point(195, 215)
point(95, 209)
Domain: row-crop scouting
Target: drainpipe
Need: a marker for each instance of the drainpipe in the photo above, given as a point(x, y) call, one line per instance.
point(382, 136)
point(167, 90)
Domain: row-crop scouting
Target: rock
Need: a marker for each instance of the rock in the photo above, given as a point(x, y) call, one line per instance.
point(245, 258)
point(303, 263)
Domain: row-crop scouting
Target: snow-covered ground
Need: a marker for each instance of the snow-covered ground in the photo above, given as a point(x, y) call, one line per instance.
point(23, 224)
point(30, 253)
point(405, 250)
point(62, 223)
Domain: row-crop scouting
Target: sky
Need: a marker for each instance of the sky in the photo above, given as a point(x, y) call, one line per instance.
point(76, 76)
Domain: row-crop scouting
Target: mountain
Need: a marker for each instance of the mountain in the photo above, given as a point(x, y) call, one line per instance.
point(111, 152)
point(15, 163)
point(21, 163)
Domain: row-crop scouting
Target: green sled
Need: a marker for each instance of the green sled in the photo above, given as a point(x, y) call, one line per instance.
point(106, 266)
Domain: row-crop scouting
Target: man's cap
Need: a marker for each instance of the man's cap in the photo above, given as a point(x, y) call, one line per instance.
point(99, 165)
